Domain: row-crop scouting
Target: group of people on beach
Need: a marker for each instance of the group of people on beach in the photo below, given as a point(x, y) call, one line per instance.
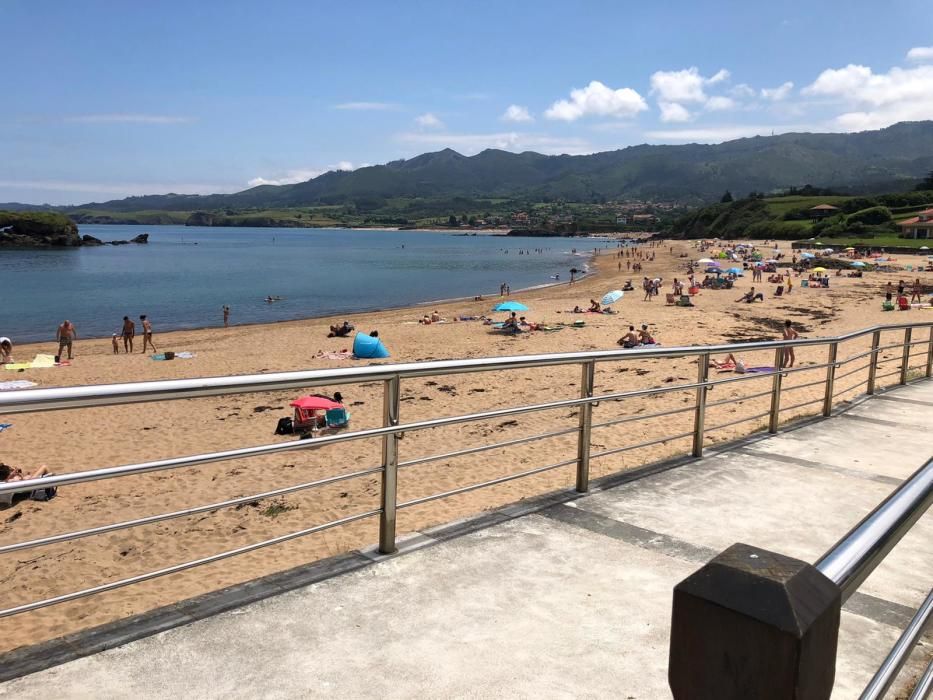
point(128, 334)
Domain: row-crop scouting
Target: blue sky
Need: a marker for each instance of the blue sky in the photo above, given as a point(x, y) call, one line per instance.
point(109, 99)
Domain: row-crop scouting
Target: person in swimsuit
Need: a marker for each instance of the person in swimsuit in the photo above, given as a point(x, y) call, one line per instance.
point(147, 332)
point(789, 334)
point(730, 362)
point(917, 290)
point(6, 351)
point(644, 337)
point(65, 336)
point(226, 316)
point(128, 333)
point(630, 339)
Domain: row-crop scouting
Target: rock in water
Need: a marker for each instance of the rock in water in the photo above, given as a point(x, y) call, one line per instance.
point(37, 230)
point(90, 240)
point(141, 238)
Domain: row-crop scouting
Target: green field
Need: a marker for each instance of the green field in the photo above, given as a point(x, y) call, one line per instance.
point(779, 206)
point(876, 242)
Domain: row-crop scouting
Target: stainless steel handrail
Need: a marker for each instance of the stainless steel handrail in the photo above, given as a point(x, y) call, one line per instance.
point(890, 667)
point(849, 562)
point(174, 389)
point(392, 428)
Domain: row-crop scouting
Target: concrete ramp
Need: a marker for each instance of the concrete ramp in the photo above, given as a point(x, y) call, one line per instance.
point(568, 600)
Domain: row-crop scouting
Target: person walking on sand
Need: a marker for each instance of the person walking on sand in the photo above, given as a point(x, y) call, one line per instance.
point(66, 335)
point(128, 333)
point(147, 332)
point(916, 291)
point(789, 334)
point(226, 316)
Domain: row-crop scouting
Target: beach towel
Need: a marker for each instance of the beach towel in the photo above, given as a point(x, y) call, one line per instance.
point(16, 384)
point(18, 366)
point(43, 361)
point(178, 355)
point(4, 426)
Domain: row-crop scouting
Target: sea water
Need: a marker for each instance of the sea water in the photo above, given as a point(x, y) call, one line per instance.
point(185, 275)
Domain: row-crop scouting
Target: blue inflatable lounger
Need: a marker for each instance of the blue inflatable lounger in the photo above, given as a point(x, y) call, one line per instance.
point(366, 347)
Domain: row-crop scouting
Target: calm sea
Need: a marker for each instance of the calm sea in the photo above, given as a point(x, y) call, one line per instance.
point(186, 274)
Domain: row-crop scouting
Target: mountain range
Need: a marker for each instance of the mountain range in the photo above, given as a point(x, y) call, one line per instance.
point(889, 158)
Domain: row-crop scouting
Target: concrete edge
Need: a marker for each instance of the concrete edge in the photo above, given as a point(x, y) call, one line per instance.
point(26, 660)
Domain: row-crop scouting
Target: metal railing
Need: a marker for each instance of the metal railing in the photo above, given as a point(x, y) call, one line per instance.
point(760, 647)
point(391, 430)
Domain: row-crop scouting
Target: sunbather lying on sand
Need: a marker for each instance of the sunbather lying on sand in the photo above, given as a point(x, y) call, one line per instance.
point(730, 362)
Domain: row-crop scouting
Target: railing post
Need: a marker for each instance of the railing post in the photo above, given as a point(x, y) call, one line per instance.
point(699, 417)
point(391, 399)
point(873, 363)
point(830, 379)
point(905, 356)
point(930, 355)
point(586, 426)
point(754, 624)
point(775, 418)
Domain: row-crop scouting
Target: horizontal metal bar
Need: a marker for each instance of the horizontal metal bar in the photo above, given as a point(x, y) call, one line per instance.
point(854, 386)
point(793, 370)
point(493, 482)
point(892, 665)
point(26, 607)
point(639, 445)
point(740, 420)
point(855, 556)
point(892, 346)
point(78, 534)
point(484, 448)
point(802, 404)
point(723, 402)
point(852, 358)
point(139, 392)
point(647, 416)
point(889, 374)
point(852, 371)
point(803, 386)
point(924, 685)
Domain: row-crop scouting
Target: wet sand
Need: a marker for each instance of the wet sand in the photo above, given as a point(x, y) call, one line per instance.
point(77, 440)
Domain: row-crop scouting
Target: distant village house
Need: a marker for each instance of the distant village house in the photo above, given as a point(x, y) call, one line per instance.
point(919, 226)
point(821, 211)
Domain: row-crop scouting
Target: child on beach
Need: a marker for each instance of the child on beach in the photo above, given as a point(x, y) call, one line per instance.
point(789, 334)
point(6, 351)
point(116, 345)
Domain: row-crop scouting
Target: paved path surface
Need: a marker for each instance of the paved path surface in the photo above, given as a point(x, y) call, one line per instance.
point(573, 600)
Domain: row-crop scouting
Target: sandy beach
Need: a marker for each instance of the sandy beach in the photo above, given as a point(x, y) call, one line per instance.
point(78, 440)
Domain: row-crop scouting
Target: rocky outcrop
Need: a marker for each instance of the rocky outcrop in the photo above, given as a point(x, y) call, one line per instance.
point(37, 230)
point(90, 240)
point(141, 238)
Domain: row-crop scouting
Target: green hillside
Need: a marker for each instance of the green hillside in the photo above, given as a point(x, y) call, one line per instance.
point(791, 217)
point(892, 158)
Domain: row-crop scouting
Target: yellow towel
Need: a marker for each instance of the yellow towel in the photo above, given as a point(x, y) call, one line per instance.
point(19, 365)
point(41, 361)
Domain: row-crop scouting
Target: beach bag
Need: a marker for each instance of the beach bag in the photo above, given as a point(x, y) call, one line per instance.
point(46, 494)
point(284, 427)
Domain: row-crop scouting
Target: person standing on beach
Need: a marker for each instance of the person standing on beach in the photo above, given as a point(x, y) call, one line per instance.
point(66, 335)
point(128, 333)
point(226, 316)
point(916, 291)
point(147, 332)
point(789, 334)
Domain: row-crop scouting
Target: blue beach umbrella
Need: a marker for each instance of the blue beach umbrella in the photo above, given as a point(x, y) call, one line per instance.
point(735, 270)
point(858, 263)
point(612, 297)
point(511, 306)
point(807, 255)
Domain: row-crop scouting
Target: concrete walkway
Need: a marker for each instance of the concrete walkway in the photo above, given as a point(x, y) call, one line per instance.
point(570, 601)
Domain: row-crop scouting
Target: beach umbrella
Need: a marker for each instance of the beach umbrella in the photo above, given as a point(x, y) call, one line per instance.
point(612, 297)
point(807, 255)
point(704, 261)
point(315, 403)
point(819, 269)
point(827, 251)
point(771, 260)
point(735, 270)
point(858, 263)
point(850, 248)
point(511, 306)
point(924, 247)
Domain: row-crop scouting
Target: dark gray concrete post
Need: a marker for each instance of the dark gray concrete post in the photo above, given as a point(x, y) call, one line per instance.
point(754, 624)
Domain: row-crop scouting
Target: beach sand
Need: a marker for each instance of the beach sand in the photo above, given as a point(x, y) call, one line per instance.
point(78, 440)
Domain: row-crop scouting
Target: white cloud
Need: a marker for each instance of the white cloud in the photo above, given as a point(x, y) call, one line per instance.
point(920, 54)
point(718, 103)
point(429, 121)
point(779, 93)
point(713, 134)
point(291, 177)
point(876, 100)
point(673, 112)
point(597, 99)
point(367, 106)
point(743, 90)
point(517, 113)
point(506, 141)
point(721, 75)
point(127, 119)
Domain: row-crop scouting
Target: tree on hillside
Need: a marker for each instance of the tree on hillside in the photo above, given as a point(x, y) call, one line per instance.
point(727, 197)
point(926, 183)
point(451, 220)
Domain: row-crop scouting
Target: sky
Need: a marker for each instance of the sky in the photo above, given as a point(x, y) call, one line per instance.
point(107, 99)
